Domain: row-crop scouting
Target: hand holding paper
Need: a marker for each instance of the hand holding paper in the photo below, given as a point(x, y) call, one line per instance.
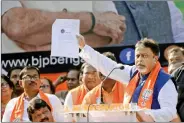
point(64, 41)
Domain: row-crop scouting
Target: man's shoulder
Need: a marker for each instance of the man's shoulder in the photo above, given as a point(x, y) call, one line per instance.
point(51, 96)
point(75, 90)
point(13, 100)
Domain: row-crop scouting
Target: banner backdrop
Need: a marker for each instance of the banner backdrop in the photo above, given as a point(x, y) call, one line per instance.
point(49, 64)
point(26, 35)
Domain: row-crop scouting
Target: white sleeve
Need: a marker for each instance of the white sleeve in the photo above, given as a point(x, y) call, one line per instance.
point(104, 6)
point(58, 109)
point(168, 100)
point(8, 110)
point(177, 22)
point(6, 5)
point(69, 100)
point(105, 65)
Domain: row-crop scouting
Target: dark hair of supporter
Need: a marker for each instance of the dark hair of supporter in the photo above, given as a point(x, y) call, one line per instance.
point(28, 68)
point(12, 69)
point(36, 104)
point(7, 79)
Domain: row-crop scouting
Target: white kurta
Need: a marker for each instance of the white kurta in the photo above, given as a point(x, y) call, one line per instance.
point(167, 96)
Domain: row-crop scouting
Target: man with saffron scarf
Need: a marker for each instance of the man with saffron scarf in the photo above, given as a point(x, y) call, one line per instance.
point(16, 109)
point(148, 85)
point(108, 92)
point(90, 80)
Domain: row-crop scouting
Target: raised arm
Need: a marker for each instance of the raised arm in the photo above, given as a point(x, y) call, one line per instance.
point(102, 63)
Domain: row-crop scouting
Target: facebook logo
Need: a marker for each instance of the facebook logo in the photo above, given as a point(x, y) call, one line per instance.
point(127, 56)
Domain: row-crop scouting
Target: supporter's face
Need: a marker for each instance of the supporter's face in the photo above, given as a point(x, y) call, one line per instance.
point(30, 80)
point(145, 60)
point(72, 79)
point(45, 87)
point(175, 60)
point(6, 91)
point(173, 66)
point(175, 57)
point(42, 115)
point(90, 77)
point(14, 77)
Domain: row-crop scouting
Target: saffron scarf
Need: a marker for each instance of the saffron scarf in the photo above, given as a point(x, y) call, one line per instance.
point(117, 94)
point(81, 93)
point(146, 94)
point(18, 110)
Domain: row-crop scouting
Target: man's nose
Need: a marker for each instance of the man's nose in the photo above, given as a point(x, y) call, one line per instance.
point(70, 81)
point(42, 116)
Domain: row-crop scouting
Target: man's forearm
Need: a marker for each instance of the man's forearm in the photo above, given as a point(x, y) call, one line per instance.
point(19, 23)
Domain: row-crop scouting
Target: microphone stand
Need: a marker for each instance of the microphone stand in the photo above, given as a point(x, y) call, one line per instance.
point(121, 67)
point(102, 102)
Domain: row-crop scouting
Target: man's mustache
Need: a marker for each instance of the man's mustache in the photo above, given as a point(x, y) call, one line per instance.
point(44, 119)
point(17, 83)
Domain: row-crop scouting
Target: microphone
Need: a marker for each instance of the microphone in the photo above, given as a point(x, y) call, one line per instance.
point(118, 66)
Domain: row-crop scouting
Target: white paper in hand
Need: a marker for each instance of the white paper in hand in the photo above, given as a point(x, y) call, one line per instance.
point(64, 41)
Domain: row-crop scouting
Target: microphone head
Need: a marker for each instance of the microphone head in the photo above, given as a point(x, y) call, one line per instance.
point(120, 66)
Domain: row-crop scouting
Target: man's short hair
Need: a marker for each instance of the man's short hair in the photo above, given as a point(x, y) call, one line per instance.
point(110, 55)
point(12, 69)
point(149, 43)
point(28, 68)
point(176, 49)
point(36, 104)
point(74, 69)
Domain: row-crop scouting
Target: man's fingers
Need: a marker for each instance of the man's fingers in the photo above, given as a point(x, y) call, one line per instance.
point(30, 48)
point(122, 18)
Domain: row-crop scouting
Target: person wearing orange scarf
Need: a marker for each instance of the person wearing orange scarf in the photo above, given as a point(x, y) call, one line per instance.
point(90, 80)
point(108, 92)
point(148, 85)
point(16, 109)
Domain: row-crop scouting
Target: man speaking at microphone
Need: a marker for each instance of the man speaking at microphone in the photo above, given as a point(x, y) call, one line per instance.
point(148, 85)
point(109, 91)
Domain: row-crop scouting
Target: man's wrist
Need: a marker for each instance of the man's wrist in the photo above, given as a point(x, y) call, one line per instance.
point(93, 22)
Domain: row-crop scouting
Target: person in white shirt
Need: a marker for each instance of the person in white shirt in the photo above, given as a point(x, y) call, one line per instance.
point(16, 109)
point(148, 84)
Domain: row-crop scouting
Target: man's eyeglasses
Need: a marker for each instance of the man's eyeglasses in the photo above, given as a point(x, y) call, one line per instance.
point(44, 86)
point(4, 84)
point(29, 78)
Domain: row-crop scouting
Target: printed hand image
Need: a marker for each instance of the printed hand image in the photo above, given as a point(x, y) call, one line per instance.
point(27, 25)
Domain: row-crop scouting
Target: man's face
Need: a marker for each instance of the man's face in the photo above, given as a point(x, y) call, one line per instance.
point(72, 79)
point(30, 80)
point(175, 57)
point(145, 60)
point(175, 60)
point(14, 77)
point(90, 77)
point(42, 115)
